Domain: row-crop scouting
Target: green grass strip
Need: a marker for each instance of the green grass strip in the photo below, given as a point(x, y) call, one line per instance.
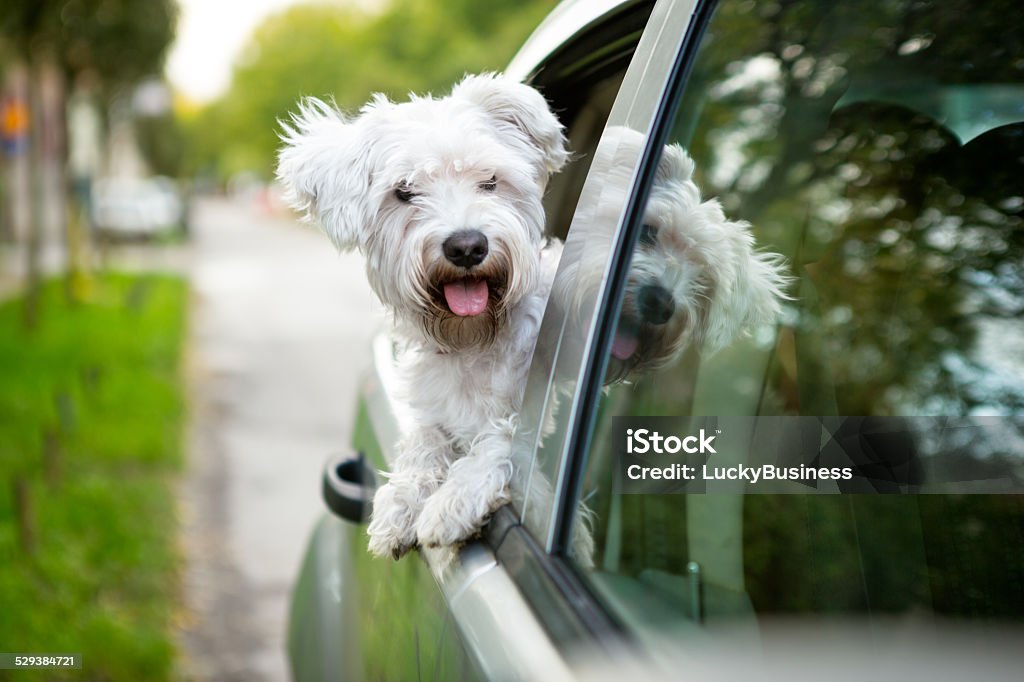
point(91, 431)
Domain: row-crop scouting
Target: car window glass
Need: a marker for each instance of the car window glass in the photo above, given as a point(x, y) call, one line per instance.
point(582, 91)
point(834, 228)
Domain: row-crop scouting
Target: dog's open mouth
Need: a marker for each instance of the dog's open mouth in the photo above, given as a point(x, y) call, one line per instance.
point(467, 297)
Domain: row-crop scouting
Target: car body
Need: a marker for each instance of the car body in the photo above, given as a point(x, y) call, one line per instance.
point(848, 148)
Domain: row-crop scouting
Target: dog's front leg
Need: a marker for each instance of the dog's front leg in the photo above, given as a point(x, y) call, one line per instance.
point(419, 469)
point(477, 485)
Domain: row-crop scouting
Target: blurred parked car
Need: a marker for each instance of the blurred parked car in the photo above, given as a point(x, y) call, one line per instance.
point(878, 146)
point(137, 207)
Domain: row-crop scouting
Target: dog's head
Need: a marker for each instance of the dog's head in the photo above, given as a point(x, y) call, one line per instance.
point(441, 195)
point(695, 278)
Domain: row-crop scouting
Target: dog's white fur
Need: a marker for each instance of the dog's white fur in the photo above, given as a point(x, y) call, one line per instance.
point(463, 376)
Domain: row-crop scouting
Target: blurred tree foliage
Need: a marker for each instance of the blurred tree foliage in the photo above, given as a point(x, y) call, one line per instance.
point(161, 141)
point(906, 256)
point(114, 43)
point(119, 40)
point(341, 52)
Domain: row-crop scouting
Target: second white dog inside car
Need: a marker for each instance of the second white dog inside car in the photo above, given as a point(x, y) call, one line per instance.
point(442, 196)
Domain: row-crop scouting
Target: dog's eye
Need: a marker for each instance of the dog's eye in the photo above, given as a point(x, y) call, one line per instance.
point(490, 185)
point(404, 194)
point(648, 234)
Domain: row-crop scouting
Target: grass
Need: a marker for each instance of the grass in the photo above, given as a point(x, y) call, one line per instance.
point(91, 428)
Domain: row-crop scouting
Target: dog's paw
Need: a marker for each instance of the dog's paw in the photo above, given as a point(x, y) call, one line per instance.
point(451, 516)
point(441, 524)
point(390, 542)
point(383, 545)
point(392, 528)
point(436, 529)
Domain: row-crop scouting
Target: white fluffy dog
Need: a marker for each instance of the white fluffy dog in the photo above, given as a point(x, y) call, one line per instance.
point(443, 198)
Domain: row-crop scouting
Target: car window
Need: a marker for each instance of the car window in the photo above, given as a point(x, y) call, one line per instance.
point(590, 81)
point(584, 123)
point(862, 256)
point(580, 79)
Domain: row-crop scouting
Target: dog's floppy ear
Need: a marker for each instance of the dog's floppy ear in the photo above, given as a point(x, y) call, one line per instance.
point(519, 110)
point(325, 172)
point(747, 286)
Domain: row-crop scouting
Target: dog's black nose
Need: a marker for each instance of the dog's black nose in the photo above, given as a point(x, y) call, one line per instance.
point(655, 303)
point(465, 248)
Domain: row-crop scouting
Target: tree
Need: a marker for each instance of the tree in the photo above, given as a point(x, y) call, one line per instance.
point(343, 54)
point(119, 41)
point(52, 42)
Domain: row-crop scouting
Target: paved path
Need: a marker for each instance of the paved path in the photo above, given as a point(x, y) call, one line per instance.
point(280, 332)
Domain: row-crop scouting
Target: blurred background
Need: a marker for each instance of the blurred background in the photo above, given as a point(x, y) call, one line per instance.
point(177, 353)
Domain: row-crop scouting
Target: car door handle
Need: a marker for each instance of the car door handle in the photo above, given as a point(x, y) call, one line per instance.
point(348, 486)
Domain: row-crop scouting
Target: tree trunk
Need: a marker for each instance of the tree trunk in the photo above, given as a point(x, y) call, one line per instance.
point(48, 186)
point(36, 222)
point(25, 514)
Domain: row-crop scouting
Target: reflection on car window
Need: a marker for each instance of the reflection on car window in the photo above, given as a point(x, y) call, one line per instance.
point(868, 165)
point(583, 99)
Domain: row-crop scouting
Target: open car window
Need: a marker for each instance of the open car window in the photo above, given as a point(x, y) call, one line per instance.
point(870, 162)
point(581, 80)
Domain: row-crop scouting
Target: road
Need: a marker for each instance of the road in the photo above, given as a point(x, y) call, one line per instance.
point(279, 336)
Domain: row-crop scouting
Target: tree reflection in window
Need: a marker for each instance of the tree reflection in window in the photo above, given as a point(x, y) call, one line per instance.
point(882, 152)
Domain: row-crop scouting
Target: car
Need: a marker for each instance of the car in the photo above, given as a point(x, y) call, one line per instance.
point(878, 148)
point(127, 207)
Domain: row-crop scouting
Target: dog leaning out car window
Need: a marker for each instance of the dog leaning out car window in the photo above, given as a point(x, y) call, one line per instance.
point(443, 197)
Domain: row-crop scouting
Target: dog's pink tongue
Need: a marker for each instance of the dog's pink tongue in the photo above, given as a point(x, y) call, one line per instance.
point(624, 346)
point(466, 297)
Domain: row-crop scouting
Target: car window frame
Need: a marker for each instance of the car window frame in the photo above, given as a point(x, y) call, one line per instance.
point(635, 106)
point(610, 303)
point(646, 100)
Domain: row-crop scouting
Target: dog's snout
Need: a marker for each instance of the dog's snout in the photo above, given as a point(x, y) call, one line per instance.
point(466, 248)
point(655, 303)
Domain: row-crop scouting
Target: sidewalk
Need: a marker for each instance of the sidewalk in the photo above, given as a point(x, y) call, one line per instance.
point(280, 332)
